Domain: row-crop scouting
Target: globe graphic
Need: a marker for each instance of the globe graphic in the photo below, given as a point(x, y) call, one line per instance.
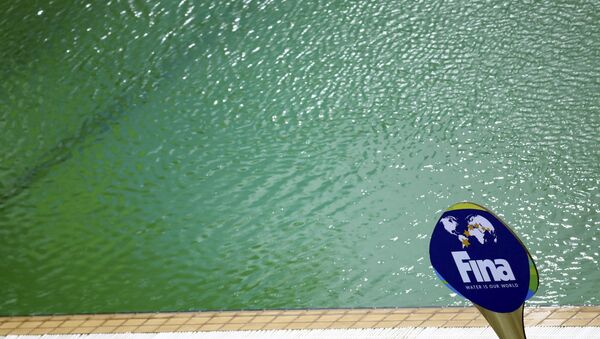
point(474, 229)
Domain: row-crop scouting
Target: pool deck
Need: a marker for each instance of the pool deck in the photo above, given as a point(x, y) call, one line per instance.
point(313, 319)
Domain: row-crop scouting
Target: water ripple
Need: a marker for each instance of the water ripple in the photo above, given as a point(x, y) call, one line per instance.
point(236, 155)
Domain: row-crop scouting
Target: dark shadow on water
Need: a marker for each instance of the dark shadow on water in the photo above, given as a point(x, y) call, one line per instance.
point(95, 126)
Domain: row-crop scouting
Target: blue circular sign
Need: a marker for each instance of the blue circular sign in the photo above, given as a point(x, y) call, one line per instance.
point(480, 258)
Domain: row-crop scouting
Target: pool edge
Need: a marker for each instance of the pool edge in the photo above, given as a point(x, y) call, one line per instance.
point(301, 319)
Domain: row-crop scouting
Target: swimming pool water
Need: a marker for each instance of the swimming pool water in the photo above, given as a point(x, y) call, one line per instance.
point(278, 154)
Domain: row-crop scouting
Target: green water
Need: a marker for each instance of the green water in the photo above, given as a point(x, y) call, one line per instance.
point(202, 155)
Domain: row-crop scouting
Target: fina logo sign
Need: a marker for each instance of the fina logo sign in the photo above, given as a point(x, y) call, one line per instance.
point(501, 272)
point(483, 232)
point(480, 258)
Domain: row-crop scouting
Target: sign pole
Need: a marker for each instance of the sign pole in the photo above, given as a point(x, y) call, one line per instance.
point(506, 325)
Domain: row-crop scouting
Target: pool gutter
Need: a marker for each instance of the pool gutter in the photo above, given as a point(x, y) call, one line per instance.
point(396, 322)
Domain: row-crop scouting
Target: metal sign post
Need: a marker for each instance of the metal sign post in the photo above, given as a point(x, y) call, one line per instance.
point(480, 258)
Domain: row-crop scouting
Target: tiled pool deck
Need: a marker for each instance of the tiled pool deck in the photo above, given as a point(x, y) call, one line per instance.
point(450, 317)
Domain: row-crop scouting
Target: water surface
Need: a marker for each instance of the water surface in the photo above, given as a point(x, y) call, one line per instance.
point(203, 155)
